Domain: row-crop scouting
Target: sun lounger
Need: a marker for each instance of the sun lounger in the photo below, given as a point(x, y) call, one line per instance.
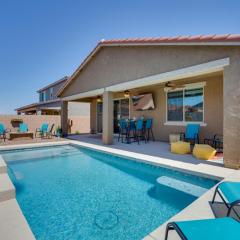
point(207, 229)
point(229, 192)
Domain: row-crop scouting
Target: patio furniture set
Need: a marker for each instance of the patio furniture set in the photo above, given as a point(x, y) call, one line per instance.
point(189, 142)
point(23, 132)
point(136, 130)
point(218, 228)
point(131, 130)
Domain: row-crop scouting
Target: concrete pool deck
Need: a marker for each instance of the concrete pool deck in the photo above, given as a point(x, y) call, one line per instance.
point(10, 213)
point(157, 149)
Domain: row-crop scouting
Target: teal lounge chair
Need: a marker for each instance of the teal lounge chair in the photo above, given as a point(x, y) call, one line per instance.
point(191, 133)
point(23, 128)
point(42, 130)
point(207, 229)
point(230, 195)
point(3, 132)
point(50, 133)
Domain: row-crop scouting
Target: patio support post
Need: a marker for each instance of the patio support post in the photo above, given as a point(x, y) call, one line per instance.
point(64, 117)
point(231, 112)
point(93, 116)
point(107, 136)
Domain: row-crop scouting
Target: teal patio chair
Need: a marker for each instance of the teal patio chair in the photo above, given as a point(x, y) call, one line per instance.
point(42, 130)
point(229, 192)
point(3, 132)
point(140, 131)
point(50, 132)
point(148, 129)
point(23, 128)
point(123, 130)
point(206, 229)
point(191, 133)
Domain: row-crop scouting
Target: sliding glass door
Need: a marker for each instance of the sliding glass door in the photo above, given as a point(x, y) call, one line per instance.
point(120, 110)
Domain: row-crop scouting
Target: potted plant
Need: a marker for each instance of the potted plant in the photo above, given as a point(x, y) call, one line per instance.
point(58, 131)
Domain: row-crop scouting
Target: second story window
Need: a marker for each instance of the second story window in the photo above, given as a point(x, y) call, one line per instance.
point(41, 97)
point(51, 93)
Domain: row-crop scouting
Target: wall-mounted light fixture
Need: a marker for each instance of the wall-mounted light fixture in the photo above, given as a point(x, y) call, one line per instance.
point(126, 94)
point(99, 99)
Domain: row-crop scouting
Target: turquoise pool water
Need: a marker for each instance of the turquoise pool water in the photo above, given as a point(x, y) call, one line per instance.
point(66, 192)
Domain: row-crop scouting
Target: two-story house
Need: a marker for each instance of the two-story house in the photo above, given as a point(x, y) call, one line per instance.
point(49, 103)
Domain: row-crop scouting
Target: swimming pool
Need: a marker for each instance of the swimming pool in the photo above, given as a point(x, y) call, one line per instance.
point(67, 192)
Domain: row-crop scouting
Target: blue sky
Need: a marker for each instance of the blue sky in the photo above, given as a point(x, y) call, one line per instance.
point(42, 41)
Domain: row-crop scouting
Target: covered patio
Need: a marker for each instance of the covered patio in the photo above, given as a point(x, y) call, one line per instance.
point(108, 107)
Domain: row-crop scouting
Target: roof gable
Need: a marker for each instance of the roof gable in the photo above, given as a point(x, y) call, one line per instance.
point(211, 40)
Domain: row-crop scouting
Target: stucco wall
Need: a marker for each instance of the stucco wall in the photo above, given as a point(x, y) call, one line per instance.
point(113, 65)
point(213, 109)
point(80, 124)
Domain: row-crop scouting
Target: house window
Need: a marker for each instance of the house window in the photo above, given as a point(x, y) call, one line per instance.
point(185, 105)
point(51, 93)
point(193, 105)
point(41, 96)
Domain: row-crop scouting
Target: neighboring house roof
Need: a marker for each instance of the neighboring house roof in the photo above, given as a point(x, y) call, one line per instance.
point(53, 84)
point(227, 39)
point(35, 105)
point(29, 106)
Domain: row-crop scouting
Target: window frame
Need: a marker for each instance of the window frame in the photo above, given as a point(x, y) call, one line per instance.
point(186, 87)
point(51, 93)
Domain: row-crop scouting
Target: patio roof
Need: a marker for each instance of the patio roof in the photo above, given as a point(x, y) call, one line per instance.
point(212, 40)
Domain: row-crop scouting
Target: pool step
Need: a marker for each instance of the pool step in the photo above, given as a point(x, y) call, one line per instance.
point(182, 186)
point(3, 166)
point(7, 190)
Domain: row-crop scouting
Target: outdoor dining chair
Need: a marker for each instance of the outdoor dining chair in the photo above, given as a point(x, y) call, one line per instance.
point(216, 142)
point(140, 133)
point(123, 131)
point(148, 129)
point(191, 133)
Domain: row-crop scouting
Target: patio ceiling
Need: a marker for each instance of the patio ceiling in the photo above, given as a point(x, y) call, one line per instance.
point(192, 71)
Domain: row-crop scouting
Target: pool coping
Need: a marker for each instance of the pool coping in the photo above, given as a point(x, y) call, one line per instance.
point(200, 208)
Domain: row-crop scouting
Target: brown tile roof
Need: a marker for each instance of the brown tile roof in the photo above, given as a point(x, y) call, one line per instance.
point(178, 39)
point(228, 39)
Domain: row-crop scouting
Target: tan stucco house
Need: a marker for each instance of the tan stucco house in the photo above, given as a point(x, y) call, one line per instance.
point(192, 79)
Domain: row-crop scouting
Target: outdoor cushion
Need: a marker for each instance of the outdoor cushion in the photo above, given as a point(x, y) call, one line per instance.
point(230, 190)
point(180, 147)
point(203, 151)
point(219, 228)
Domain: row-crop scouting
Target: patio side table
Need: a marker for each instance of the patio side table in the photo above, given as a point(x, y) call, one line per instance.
point(174, 137)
